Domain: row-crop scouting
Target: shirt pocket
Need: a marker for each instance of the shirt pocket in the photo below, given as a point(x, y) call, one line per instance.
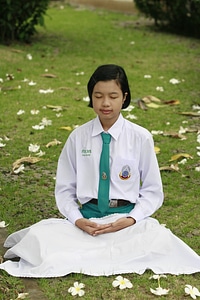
point(125, 170)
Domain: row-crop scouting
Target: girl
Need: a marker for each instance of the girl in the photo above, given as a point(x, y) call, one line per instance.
point(107, 192)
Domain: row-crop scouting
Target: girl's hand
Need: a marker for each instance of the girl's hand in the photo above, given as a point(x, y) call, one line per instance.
point(91, 227)
point(116, 226)
point(95, 229)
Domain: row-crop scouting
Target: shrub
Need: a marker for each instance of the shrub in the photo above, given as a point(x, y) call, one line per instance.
point(179, 15)
point(18, 18)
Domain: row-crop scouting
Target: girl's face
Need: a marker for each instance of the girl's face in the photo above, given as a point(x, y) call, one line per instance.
point(107, 100)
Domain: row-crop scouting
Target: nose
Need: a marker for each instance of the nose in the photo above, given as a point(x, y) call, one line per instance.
point(106, 101)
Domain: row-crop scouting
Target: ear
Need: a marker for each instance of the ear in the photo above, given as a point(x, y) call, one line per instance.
point(124, 98)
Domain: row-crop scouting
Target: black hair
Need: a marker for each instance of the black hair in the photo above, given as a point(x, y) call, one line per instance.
point(110, 72)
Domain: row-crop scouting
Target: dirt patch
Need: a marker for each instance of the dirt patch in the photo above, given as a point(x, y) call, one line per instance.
point(120, 6)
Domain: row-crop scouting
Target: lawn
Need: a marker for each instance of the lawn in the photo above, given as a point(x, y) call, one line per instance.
point(44, 83)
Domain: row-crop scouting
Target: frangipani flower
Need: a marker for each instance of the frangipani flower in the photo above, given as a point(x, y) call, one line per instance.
point(41, 153)
point(197, 169)
point(147, 76)
point(159, 291)
point(35, 111)
point(77, 289)
point(3, 224)
point(20, 169)
point(32, 83)
point(38, 127)
point(20, 112)
point(46, 122)
point(46, 91)
point(2, 145)
point(22, 295)
point(131, 117)
point(160, 89)
point(33, 148)
point(122, 283)
point(174, 81)
point(87, 98)
point(157, 276)
point(29, 56)
point(192, 291)
point(129, 108)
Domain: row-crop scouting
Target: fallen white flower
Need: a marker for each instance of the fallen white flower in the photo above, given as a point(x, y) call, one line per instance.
point(20, 112)
point(156, 132)
point(159, 291)
point(192, 291)
point(35, 111)
point(46, 91)
point(129, 108)
point(160, 89)
point(147, 76)
point(198, 153)
point(31, 83)
point(3, 224)
point(87, 98)
point(196, 107)
point(197, 169)
point(1, 80)
point(38, 127)
point(41, 153)
point(46, 122)
point(157, 276)
point(29, 56)
point(131, 116)
point(33, 148)
point(20, 169)
point(182, 130)
point(2, 145)
point(132, 43)
point(122, 283)
point(174, 81)
point(198, 138)
point(77, 289)
point(22, 295)
point(183, 161)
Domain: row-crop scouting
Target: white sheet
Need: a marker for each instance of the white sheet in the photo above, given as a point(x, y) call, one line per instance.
point(55, 247)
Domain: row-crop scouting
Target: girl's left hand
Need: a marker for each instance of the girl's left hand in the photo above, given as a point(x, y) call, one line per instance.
point(116, 226)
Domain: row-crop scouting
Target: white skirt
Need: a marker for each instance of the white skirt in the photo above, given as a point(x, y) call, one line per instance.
point(55, 247)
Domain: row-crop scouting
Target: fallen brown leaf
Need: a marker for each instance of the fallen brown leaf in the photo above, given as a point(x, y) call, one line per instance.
point(29, 160)
point(49, 75)
point(53, 143)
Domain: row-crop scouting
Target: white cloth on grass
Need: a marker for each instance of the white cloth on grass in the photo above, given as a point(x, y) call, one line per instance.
point(55, 247)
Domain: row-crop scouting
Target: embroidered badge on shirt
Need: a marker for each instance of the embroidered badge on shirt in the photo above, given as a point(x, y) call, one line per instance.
point(125, 173)
point(86, 152)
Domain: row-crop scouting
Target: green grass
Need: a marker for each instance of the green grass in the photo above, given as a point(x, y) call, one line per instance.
point(78, 41)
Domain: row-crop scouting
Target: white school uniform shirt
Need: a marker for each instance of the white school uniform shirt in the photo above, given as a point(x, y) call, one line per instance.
point(134, 171)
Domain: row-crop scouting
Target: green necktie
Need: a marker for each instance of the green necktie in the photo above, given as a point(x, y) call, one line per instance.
point(104, 174)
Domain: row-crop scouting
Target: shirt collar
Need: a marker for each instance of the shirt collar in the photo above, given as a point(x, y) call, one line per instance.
point(114, 131)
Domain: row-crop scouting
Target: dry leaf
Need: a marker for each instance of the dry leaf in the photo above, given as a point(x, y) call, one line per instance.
point(29, 160)
point(180, 156)
point(53, 143)
point(189, 113)
point(49, 75)
point(170, 168)
point(157, 150)
point(64, 88)
point(141, 104)
point(66, 128)
point(153, 105)
point(150, 98)
point(172, 102)
point(54, 106)
point(174, 135)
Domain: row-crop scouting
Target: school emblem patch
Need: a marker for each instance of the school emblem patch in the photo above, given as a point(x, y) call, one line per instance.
point(125, 173)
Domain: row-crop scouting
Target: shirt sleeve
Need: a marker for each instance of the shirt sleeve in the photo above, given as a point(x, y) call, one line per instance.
point(150, 196)
point(65, 188)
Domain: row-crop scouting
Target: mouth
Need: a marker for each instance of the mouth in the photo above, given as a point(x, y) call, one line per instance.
point(105, 112)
